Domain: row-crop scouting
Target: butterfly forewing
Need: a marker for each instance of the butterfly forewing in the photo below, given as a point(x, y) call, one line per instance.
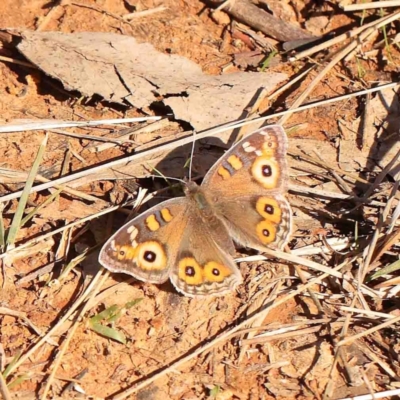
point(146, 247)
point(247, 187)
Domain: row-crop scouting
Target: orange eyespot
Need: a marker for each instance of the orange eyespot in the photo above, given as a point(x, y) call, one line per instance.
point(215, 272)
point(151, 256)
point(269, 209)
point(124, 252)
point(190, 271)
point(269, 147)
point(265, 170)
point(266, 232)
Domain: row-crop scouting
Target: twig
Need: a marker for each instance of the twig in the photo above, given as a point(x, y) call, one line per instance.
point(382, 220)
point(71, 333)
point(43, 125)
point(189, 139)
point(20, 315)
point(369, 331)
point(379, 395)
point(54, 329)
point(372, 314)
point(369, 6)
point(332, 195)
point(336, 58)
point(19, 62)
point(260, 20)
point(337, 39)
point(49, 16)
point(270, 338)
point(99, 10)
point(144, 13)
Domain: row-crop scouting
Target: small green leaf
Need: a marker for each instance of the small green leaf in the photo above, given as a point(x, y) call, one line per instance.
point(19, 380)
point(384, 271)
point(10, 366)
point(266, 62)
point(16, 222)
point(215, 391)
point(109, 333)
point(39, 207)
point(106, 314)
point(132, 303)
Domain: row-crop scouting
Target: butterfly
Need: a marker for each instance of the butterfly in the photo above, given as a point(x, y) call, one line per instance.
point(190, 240)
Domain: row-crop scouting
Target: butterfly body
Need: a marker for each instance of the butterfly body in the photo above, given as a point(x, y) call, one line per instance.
point(190, 239)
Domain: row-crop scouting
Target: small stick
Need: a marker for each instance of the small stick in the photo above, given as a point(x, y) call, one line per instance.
point(186, 140)
point(369, 331)
point(71, 333)
point(372, 356)
point(260, 20)
point(372, 314)
point(16, 61)
point(99, 10)
point(49, 15)
point(337, 39)
point(54, 329)
point(382, 219)
point(90, 137)
point(333, 195)
point(145, 13)
point(265, 339)
point(370, 6)
point(40, 125)
point(340, 55)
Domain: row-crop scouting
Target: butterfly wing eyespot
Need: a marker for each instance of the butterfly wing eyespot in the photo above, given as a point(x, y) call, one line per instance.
point(266, 232)
point(151, 256)
point(216, 272)
point(269, 147)
point(269, 209)
point(124, 252)
point(266, 171)
point(190, 272)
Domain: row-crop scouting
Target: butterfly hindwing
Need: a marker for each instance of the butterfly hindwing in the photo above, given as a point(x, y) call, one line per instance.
point(171, 240)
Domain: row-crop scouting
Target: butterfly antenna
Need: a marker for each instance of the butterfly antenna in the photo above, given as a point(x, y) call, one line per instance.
point(192, 155)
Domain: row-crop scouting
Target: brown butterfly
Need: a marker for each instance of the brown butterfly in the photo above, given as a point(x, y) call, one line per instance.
point(190, 239)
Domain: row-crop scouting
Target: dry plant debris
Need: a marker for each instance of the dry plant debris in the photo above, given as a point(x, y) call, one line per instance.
point(121, 70)
point(320, 320)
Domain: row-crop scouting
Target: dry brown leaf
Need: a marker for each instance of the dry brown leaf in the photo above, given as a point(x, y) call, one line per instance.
point(121, 70)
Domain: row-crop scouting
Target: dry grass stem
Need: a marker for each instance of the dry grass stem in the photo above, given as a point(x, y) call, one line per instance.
point(369, 331)
point(51, 124)
point(72, 331)
point(372, 314)
point(182, 142)
point(221, 338)
point(337, 39)
point(370, 6)
point(54, 329)
point(269, 337)
point(145, 13)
